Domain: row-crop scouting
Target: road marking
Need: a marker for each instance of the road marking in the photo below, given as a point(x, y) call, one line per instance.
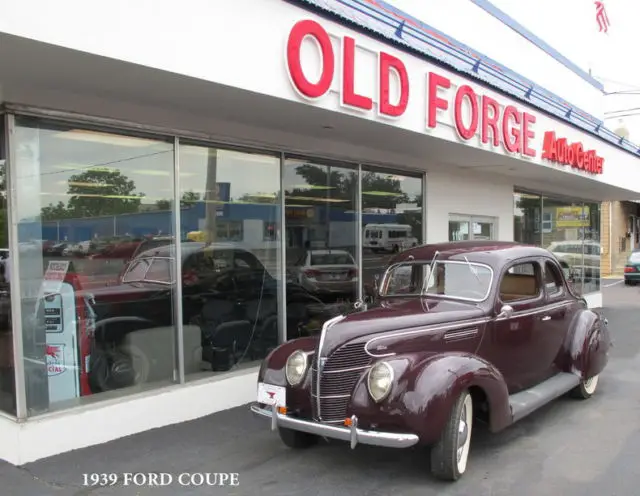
point(612, 284)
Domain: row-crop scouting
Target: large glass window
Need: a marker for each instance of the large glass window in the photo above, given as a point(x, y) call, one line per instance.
point(231, 268)
point(7, 378)
point(391, 220)
point(528, 218)
point(95, 243)
point(569, 229)
point(321, 225)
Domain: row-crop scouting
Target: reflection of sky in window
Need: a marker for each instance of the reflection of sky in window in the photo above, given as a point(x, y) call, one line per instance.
point(52, 157)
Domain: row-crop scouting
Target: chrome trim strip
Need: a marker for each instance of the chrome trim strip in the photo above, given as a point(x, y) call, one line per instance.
point(375, 438)
point(534, 311)
point(461, 334)
point(352, 369)
point(435, 327)
point(325, 327)
point(332, 396)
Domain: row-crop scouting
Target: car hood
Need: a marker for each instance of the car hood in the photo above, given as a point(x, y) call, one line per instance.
point(399, 314)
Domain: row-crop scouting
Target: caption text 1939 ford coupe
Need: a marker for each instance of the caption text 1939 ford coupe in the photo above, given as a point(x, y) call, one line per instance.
point(458, 333)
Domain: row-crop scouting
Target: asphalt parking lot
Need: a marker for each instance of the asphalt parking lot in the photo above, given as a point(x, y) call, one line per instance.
point(569, 447)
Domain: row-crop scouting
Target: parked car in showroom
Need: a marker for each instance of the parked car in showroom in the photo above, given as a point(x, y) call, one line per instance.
point(229, 306)
point(459, 333)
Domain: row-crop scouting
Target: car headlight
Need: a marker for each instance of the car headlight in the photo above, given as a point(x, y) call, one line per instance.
point(296, 368)
point(379, 381)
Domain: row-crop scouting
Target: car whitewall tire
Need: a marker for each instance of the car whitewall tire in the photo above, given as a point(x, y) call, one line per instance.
point(449, 456)
point(586, 389)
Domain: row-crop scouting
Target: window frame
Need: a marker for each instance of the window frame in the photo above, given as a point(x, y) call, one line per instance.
point(536, 300)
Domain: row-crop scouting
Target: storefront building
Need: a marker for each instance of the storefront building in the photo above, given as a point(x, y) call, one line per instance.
point(171, 212)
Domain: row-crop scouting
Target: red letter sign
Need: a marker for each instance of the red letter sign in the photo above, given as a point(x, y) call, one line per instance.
point(298, 33)
point(528, 134)
point(435, 102)
point(349, 95)
point(466, 132)
point(515, 144)
point(490, 121)
point(387, 63)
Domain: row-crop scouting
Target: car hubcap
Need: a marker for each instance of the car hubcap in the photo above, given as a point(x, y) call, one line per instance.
point(464, 434)
point(591, 384)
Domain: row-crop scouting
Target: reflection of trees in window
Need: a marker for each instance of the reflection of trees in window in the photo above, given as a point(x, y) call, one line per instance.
point(379, 191)
point(94, 193)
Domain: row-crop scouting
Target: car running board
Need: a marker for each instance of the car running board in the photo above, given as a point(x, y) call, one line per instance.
point(529, 400)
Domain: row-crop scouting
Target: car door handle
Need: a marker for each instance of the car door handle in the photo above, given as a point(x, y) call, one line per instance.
point(546, 317)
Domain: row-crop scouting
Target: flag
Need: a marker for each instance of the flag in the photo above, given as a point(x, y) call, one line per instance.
point(601, 17)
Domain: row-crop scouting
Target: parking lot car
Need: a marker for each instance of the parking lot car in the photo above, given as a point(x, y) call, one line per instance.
point(632, 269)
point(459, 333)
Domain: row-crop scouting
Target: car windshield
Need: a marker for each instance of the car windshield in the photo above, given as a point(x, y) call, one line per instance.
point(454, 279)
point(150, 270)
point(332, 259)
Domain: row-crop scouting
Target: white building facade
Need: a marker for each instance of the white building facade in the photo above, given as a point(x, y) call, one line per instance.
point(242, 142)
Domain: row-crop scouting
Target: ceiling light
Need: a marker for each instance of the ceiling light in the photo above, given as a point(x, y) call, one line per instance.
point(108, 138)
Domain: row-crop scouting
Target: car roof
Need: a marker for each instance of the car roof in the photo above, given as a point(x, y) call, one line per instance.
point(188, 248)
point(492, 253)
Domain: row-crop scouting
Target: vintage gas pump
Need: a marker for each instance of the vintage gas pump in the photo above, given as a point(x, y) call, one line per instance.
point(69, 325)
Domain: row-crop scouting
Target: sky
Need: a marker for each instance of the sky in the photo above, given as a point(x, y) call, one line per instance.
point(570, 27)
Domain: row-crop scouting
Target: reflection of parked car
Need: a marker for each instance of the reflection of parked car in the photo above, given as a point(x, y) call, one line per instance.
point(632, 269)
point(230, 311)
point(460, 332)
point(579, 260)
point(324, 272)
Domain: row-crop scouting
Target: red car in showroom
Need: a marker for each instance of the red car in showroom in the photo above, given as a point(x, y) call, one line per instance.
point(458, 333)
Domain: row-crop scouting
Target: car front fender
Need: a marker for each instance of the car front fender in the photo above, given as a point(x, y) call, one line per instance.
point(425, 389)
point(587, 344)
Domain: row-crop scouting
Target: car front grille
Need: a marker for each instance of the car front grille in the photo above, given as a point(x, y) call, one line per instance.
point(337, 380)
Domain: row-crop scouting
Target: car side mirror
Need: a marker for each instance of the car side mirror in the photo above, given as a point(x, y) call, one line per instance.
point(506, 312)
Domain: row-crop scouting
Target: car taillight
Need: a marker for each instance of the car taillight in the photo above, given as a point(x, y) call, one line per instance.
point(311, 273)
point(353, 272)
point(629, 269)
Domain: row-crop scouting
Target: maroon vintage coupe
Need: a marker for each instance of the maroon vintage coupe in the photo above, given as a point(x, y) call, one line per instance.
point(459, 332)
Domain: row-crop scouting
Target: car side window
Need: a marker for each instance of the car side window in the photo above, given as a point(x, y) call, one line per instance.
point(552, 279)
point(520, 282)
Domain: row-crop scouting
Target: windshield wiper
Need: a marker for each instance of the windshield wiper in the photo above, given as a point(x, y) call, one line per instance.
point(473, 270)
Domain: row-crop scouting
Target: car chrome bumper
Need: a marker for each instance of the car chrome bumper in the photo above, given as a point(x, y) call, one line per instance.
point(352, 434)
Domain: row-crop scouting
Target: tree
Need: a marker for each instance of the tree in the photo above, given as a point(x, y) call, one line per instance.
point(54, 212)
point(163, 204)
point(98, 192)
point(189, 198)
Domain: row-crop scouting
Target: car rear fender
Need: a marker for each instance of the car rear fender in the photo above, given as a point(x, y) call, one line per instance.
point(587, 345)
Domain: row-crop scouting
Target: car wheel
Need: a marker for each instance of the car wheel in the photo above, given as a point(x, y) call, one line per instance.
point(586, 389)
point(627, 282)
point(296, 439)
point(449, 456)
